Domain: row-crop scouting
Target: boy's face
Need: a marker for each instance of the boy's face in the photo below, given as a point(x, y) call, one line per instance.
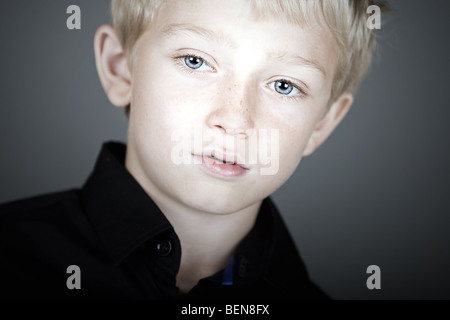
point(210, 81)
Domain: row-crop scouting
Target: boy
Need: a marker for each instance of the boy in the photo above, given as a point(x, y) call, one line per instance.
point(224, 98)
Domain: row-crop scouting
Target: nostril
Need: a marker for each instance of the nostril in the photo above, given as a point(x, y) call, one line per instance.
point(221, 128)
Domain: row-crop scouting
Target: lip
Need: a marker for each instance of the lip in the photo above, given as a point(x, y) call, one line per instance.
point(221, 164)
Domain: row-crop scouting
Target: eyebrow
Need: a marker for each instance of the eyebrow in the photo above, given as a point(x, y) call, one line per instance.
point(221, 38)
point(297, 60)
point(191, 29)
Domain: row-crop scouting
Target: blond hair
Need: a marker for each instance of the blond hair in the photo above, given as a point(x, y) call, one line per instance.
point(346, 19)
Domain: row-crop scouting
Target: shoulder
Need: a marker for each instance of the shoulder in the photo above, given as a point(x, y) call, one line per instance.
point(41, 202)
point(39, 214)
point(49, 220)
point(39, 238)
point(45, 221)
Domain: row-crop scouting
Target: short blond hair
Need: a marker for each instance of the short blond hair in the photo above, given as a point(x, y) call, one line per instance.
point(346, 19)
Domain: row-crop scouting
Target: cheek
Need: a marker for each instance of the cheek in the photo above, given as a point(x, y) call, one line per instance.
point(292, 145)
point(294, 130)
point(295, 138)
point(284, 160)
point(164, 109)
point(166, 96)
point(155, 106)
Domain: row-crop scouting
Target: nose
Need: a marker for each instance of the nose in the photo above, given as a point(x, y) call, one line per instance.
point(232, 112)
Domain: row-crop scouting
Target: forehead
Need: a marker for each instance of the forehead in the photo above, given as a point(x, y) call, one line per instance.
point(234, 23)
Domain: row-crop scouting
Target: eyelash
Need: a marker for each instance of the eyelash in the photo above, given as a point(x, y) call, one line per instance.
point(302, 93)
point(179, 59)
point(180, 63)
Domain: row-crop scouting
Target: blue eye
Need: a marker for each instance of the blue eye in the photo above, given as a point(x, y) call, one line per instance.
point(286, 88)
point(193, 62)
point(283, 87)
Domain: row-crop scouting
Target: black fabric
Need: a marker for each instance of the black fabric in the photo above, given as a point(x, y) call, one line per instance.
point(127, 249)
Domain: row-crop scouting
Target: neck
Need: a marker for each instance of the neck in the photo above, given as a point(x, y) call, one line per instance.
point(208, 241)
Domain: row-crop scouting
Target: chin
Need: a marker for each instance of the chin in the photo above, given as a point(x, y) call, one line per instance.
point(219, 204)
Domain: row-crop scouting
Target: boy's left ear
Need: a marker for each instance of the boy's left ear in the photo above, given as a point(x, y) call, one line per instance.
point(326, 126)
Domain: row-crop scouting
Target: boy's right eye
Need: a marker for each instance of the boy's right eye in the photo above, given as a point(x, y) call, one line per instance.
point(196, 63)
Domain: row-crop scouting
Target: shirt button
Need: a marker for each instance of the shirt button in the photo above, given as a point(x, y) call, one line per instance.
point(164, 248)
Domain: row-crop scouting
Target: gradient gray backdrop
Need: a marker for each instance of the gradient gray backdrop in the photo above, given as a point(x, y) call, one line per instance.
point(376, 193)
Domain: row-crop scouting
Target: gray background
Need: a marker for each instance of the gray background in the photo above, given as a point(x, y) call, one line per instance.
point(375, 193)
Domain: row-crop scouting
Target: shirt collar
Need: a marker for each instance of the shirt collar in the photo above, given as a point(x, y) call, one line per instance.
point(122, 213)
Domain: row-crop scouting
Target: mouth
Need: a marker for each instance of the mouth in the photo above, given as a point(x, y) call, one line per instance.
point(224, 158)
point(224, 162)
point(223, 165)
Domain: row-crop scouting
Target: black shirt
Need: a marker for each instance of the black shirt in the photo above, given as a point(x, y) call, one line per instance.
point(126, 248)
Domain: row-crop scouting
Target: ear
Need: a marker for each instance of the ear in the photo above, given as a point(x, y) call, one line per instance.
point(326, 126)
point(112, 66)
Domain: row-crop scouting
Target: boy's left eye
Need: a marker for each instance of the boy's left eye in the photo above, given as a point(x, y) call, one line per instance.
point(284, 87)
